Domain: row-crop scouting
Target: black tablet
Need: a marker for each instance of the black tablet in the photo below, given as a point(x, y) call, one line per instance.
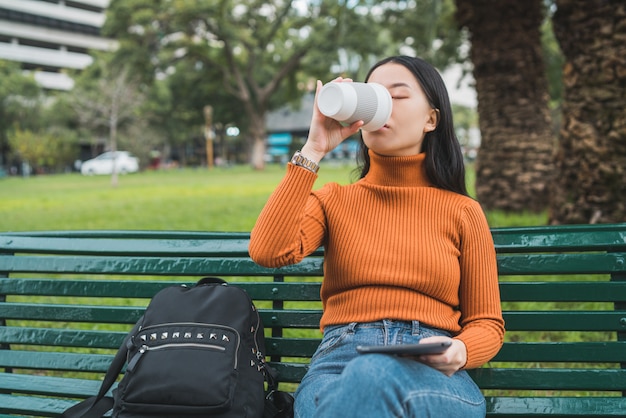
point(406, 349)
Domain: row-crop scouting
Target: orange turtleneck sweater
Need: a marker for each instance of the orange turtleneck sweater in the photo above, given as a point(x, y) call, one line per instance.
point(394, 248)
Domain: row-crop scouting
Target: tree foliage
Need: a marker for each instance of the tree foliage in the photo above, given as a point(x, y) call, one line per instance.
point(106, 99)
point(20, 101)
point(250, 56)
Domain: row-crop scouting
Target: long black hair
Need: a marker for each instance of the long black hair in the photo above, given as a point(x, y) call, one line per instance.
point(444, 163)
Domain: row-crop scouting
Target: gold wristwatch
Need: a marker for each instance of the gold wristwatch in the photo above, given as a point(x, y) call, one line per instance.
point(301, 161)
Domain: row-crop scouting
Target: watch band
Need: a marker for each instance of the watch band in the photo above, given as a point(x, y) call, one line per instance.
point(301, 161)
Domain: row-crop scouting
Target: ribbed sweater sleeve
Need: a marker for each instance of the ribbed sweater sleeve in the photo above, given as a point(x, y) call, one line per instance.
point(291, 225)
point(482, 326)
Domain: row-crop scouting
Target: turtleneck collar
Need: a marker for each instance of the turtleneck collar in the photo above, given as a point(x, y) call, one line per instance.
point(397, 171)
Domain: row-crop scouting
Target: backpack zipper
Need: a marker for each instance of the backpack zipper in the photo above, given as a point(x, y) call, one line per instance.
point(144, 348)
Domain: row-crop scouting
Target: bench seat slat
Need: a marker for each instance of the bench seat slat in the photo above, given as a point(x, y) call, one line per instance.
point(156, 266)
point(554, 406)
point(550, 379)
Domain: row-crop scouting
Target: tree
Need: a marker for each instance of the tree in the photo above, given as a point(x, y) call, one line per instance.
point(107, 101)
point(257, 55)
point(591, 162)
point(20, 99)
point(258, 46)
point(50, 149)
point(515, 161)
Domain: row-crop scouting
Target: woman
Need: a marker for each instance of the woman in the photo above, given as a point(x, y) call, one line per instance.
point(409, 258)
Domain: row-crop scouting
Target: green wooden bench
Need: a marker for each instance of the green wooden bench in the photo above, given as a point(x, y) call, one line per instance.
point(68, 298)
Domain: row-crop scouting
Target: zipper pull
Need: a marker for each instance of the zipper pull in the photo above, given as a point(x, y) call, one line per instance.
point(133, 361)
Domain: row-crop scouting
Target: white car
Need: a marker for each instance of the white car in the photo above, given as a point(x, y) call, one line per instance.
point(103, 164)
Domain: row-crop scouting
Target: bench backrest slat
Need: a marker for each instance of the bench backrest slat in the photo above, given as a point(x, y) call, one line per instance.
point(147, 288)
point(156, 266)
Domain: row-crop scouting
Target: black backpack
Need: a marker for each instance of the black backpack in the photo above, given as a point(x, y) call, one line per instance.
point(196, 352)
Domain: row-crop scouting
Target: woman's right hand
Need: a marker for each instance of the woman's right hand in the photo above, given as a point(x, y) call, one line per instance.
point(325, 134)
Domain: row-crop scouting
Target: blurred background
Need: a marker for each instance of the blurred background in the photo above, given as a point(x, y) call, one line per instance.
point(538, 87)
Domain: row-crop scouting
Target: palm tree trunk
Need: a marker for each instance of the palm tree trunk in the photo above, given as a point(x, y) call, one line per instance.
point(590, 185)
point(515, 161)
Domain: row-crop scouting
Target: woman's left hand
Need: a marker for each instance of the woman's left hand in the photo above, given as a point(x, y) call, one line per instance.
point(448, 362)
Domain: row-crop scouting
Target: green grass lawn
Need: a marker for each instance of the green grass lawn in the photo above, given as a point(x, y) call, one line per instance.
point(221, 199)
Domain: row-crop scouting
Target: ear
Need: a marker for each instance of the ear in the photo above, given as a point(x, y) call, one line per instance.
point(432, 121)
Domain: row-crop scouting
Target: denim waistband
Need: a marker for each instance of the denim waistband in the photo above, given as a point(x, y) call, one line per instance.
point(413, 326)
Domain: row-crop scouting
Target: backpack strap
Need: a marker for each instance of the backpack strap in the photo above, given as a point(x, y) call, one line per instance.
point(97, 406)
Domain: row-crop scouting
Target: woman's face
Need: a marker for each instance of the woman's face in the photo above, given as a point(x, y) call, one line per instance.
point(411, 116)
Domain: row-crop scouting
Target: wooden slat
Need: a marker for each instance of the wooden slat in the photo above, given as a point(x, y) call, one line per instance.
point(554, 407)
point(593, 352)
point(129, 314)
point(564, 320)
point(49, 385)
point(155, 266)
point(291, 347)
point(538, 264)
point(57, 361)
point(71, 313)
point(561, 238)
point(146, 289)
point(99, 363)
point(61, 337)
point(72, 338)
point(289, 372)
point(597, 291)
point(33, 406)
point(511, 239)
point(550, 379)
point(526, 264)
point(126, 246)
point(515, 320)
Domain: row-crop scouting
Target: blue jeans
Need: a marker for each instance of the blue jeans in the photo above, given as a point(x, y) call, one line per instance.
point(342, 383)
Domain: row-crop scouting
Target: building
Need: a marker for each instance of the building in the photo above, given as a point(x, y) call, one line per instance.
point(50, 36)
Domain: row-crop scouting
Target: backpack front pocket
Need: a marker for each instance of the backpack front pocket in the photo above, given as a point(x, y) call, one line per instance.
point(169, 368)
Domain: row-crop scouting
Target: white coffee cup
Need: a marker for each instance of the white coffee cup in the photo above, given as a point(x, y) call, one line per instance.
point(351, 101)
